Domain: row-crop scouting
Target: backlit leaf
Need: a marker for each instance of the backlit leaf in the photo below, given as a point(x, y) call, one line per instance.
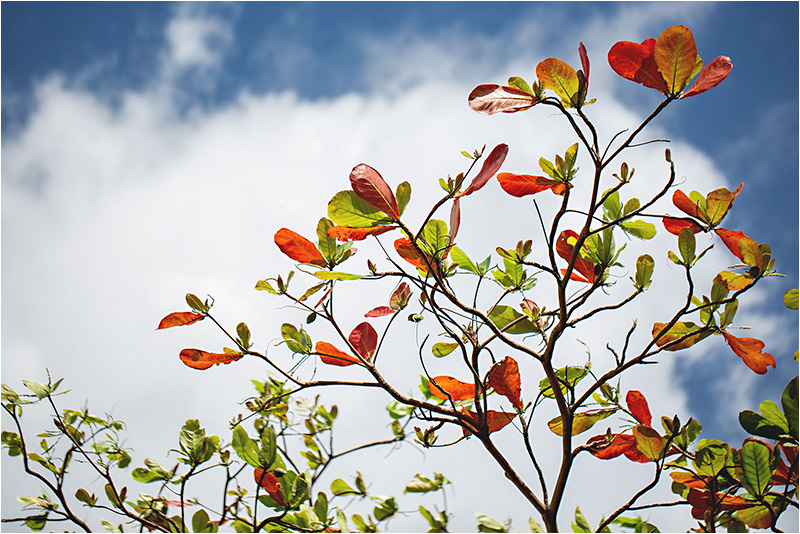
point(559, 77)
point(490, 166)
point(677, 331)
point(403, 196)
point(380, 311)
point(298, 248)
point(749, 349)
point(494, 420)
point(640, 229)
point(637, 404)
point(564, 248)
point(648, 442)
point(180, 319)
point(741, 246)
point(442, 349)
point(581, 422)
point(463, 261)
point(457, 389)
point(490, 99)
point(734, 281)
point(644, 271)
point(518, 83)
point(718, 203)
point(400, 296)
point(504, 378)
point(502, 316)
point(755, 459)
point(330, 275)
point(407, 251)
point(372, 189)
point(674, 226)
point(520, 185)
point(198, 359)
point(676, 56)
point(568, 377)
point(686, 246)
point(790, 299)
point(344, 233)
point(789, 403)
point(584, 61)
point(703, 500)
point(333, 356)
point(364, 339)
point(710, 76)
point(347, 209)
point(620, 444)
point(636, 62)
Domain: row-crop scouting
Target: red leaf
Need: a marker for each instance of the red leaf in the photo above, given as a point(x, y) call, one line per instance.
point(520, 185)
point(690, 480)
point(674, 226)
point(741, 246)
point(703, 500)
point(198, 359)
point(636, 62)
point(504, 378)
point(180, 319)
point(455, 223)
point(710, 76)
point(749, 349)
point(584, 62)
point(494, 420)
point(407, 251)
point(490, 166)
point(298, 247)
point(267, 480)
point(364, 339)
point(344, 233)
point(620, 444)
point(686, 204)
point(575, 276)
point(372, 189)
point(490, 99)
point(332, 356)
point(380, 311)
point(582, 265)
point(400, 296)
point(637, 404)
point(457, 389)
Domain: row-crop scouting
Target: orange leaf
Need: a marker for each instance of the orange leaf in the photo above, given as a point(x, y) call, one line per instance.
point(494, 420)
point(298, 247)
point(370, 187)
point(637, 404)
point(676, 56)
point(364, 339)
point(504, 378)
point(267, 480)
point(620, 444)
point(344, 233)
point(749, 349)
point(733, 281)
point(332, 356)
point(564, 249)
point(520, 185)
point(407, 251)
point(677, 331)
point(180, 319)
point(491, 165)
point(581, 422)
point(457, 389)
point(711, 75)
point(198, 359)
point(636, 62)
point(741, 246)
point(490, 99)
point(690, 480)
point(686, 204)
point(718, 203)
point(674, 226)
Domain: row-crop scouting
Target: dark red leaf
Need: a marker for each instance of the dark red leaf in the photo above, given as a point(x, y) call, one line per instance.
point(504, 378)
point(749, 349)
point(298, 247)
point(180, 319)
point(267, 480)
point(344, 233)
point(332, 356)
point(490, 166)
point(490, 99)
point(457, 389)
point(584, 62)
point(636, 62)
point(710, 76)
point(364, 339)
point(520, 185)
point(380, 311)
point(198, 359)
point(372, 189)
point(637, 405)
point(494, 420)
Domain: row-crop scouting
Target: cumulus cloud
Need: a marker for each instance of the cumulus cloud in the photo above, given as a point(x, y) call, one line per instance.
point(112, 213)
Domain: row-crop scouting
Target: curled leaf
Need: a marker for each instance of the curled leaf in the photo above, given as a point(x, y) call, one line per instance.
point(750, 350)
point(490, 166)
point(504, 378)
point(490, 99)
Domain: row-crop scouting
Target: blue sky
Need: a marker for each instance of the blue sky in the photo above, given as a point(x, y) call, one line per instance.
point(151, 149)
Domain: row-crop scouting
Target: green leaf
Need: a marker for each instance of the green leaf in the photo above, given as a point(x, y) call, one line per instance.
point(443, 349)
point(328, 275)
point(790, 299)
point(612, 207)
point(712, 457)
point(347, 209)
point(340, 487)
point(789, 403)
point(269, 447)
point(298, 341)
point(774, 415)
point(263, 285)
point(755, 460)
point(403, 196)
point(568, 377)
point(519, 83)
point(686, 245)
point(36, 522)
point(644, 271)
point(321, 506)
point(490, 524)
point(534, 526)
point(640, 229)
point(581, 524)
point(581, 422)
point(200, 521)
point(424, 484)
point(385, 509)
point(630, 206)
point(648, 442)
point(502, 316)
point(463, 261)
point(245, 447)
point(40, 390)
point(435, 237)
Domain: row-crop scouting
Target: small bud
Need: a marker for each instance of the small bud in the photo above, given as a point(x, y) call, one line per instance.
point(668, 155)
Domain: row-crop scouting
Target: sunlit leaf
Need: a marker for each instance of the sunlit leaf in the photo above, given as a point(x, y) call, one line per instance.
point(674, 226)
point(564, 248)
point(380, 311)
point(648, 441)
point(494, 420)
point(463, 261)
point(677, 331)
point(710, 76)
point(518, 83)
point(490, 99)
point(298, 248)
point(559, 77)
point(638, 228)
point(198, 359)
point(789, 403)
point(332, 356)
point(407, 251)
point(344, 233)
point(490, 166)
point(644, 271)
point(741, 246)
point(370, 187)
point(637, 405)
point(749, 349)
point(403, 196)
point(636, 62)
point(400, 296)
point(568, 377)
point(581, 422)
point(502, 316)
point(457, 390)
point(504, 378)
point(619, 445)
point(442, 349)
point(347, 209)
point(676, 56)
point(180, 319)
point(364, 339)
point(718, 203)
point(755, 460)
point(331, 275)
point(790, 299)
point(734, 281)
point(520, 185)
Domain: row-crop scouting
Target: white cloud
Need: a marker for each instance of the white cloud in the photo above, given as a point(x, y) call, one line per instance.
point(110, 214)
